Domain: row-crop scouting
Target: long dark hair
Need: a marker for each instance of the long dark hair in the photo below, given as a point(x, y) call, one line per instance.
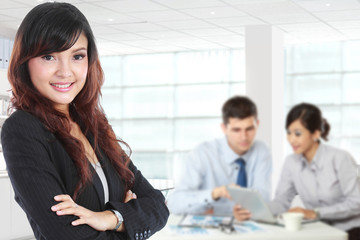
point(55, 27)
point(310, 117)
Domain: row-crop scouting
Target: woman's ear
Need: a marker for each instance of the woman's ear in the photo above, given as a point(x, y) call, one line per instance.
point(316, 135)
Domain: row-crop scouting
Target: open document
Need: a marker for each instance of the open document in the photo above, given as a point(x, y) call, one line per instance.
point(210, 225)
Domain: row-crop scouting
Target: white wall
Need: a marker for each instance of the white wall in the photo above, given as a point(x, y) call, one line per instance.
point(4, 84)
point(264, 58)
point(13, 220)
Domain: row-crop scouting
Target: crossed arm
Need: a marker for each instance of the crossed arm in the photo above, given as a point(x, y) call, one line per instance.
point(100, 221)
point(33, 160)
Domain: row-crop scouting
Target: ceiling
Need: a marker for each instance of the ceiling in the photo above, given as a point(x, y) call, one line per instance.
point(148, 26)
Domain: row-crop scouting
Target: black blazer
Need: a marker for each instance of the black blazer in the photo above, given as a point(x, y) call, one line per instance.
point(39, 169)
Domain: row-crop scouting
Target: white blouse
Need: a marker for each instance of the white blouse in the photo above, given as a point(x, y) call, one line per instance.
point(100, 173)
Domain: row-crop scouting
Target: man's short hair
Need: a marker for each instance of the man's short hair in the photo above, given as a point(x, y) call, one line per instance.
point(238, 107)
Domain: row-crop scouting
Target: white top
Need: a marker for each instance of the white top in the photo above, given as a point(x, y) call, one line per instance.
point(100, 173)
point(212, 164)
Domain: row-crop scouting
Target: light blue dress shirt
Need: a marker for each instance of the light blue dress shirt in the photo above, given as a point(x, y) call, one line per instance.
point(212, 164)
point(330, 184)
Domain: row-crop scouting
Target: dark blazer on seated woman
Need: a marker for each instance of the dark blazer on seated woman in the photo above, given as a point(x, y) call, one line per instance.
point(40, 168)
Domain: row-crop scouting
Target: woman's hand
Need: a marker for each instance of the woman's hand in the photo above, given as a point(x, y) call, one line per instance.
point(129, 196)
point(100, 221)
point(240, 213)
point(308, 214)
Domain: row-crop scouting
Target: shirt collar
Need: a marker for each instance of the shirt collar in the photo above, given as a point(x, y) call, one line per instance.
point(316, 161)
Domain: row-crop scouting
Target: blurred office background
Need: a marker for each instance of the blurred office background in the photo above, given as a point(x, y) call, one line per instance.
point(170, 64)
point(165, 104)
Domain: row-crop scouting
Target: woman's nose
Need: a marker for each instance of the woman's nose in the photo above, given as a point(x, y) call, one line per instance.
point(64, 69)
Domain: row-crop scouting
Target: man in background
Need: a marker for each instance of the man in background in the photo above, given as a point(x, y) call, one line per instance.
point(237, 158)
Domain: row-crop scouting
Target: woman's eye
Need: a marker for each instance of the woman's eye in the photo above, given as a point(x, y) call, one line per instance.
point(79, 57)
point(48, 57)
point(298, 134)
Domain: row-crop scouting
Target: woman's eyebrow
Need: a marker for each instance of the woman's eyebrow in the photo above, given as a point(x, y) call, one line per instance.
point(79, 49)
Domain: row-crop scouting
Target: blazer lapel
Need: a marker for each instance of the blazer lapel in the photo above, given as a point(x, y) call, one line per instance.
point(95, 177)
point(97, 185)
point(115, 185)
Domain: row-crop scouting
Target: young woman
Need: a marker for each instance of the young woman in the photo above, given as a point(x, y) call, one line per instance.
point(325, 177)
point(68, 171)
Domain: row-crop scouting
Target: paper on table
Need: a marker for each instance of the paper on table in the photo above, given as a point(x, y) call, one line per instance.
point(177, 230)
point(205, 221)
point(248, 227)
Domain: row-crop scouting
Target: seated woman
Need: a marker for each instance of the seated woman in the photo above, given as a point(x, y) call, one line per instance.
point(68, 171)
point(325, 177)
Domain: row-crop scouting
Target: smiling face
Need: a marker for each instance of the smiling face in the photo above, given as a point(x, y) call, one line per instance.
point(240, 133)
point(60, 76)
point(302, 140)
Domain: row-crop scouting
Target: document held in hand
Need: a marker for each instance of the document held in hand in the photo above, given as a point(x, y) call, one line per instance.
point(253, 201)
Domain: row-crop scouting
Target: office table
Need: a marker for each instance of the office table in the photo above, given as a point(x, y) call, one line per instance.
point(309, 231)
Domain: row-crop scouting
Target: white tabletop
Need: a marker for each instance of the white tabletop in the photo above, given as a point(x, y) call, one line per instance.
point(309, 231)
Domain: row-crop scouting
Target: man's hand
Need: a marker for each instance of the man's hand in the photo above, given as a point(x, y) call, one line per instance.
point(220, 192)
point(240, 213)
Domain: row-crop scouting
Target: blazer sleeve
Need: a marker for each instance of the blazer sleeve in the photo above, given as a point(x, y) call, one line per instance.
point(35, 180)
point(144, 215)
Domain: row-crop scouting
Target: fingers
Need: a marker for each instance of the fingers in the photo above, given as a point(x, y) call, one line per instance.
point(308, 214)
point(62, 197)
point(241, 214)
point(66, 207)
point(220, 192)
point(236, 207)
point(129, 196)
point(226, 194)
point(296, 209)
point(79, 222)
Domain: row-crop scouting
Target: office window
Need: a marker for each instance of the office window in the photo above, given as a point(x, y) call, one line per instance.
point(163, 105)
point(327, 74)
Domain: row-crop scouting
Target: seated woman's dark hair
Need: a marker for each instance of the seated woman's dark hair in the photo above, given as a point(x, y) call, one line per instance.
point(310, 117)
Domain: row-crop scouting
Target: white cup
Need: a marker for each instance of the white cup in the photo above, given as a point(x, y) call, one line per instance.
point(292, 220)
